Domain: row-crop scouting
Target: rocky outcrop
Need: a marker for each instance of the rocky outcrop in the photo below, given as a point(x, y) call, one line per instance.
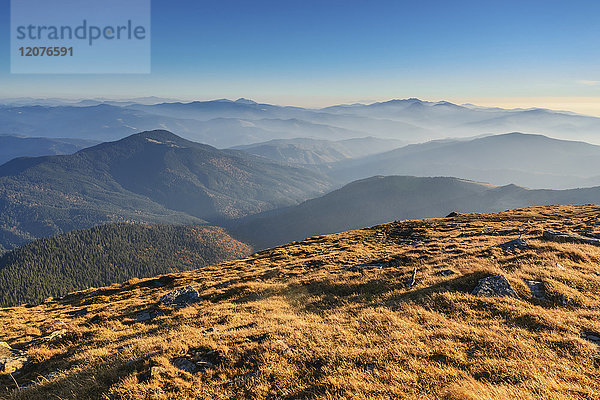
point(563, 237)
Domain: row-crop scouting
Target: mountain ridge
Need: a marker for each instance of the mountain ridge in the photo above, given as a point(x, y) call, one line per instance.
point(498, 159)
point(409, 120)
point(149, 177)
point(382, 199)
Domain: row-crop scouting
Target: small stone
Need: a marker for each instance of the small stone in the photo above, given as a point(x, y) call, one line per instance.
point(181, 297)
point(58, 334)
point(145, 316)
point(134, 361)
point(55, 335)
point(371, 367)
point(246, 377)
point(362, 267)
point(495, 286)
point(52, 375)
point(156, 372)
point(592, 337)
point(445, 272)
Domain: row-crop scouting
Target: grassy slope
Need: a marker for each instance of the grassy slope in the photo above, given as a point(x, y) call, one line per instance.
point(295, 323)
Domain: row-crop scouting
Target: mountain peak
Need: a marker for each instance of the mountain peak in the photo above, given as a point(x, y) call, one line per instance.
point(159, 136)
point(242, 100)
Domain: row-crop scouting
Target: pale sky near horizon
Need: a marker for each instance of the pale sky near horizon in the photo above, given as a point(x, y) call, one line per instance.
point(536, 53)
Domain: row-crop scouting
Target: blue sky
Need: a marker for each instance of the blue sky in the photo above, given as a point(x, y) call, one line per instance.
point(329, 51)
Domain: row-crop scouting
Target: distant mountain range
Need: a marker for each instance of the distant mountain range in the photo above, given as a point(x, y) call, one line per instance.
point(277, 157)
point(314, 152)
point(381, 199)
point(18, 146)
point(158, 177)
point(497, 159)
point(533, 161)
point(53, 102)
point(226, 123)
point(154, 177)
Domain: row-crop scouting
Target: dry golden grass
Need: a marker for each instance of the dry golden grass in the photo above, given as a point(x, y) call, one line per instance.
point(295, 323)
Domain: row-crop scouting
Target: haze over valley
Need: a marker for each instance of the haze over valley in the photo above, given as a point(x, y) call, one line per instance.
point(282, 173)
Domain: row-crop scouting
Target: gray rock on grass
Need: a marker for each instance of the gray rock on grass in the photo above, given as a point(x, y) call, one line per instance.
point(537, 289)
point(516, 244)
point(182, 297)
point(494, 286)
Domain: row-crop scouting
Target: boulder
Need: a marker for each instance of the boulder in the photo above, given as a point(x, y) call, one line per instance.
point(181, 297)
point(495, 286)
point(453, 214)
point(145, 316)
point(520, 244)
point(12, 360)
point(185, 365)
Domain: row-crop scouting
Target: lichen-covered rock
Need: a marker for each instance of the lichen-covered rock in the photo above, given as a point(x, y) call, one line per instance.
point(496, 286)
point(11, 360)
point(181, 297)
point(156, 372)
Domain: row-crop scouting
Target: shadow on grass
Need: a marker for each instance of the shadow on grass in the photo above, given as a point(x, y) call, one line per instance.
point(325, 295)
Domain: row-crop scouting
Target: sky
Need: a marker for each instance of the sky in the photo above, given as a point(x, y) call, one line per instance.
point(543, 53)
